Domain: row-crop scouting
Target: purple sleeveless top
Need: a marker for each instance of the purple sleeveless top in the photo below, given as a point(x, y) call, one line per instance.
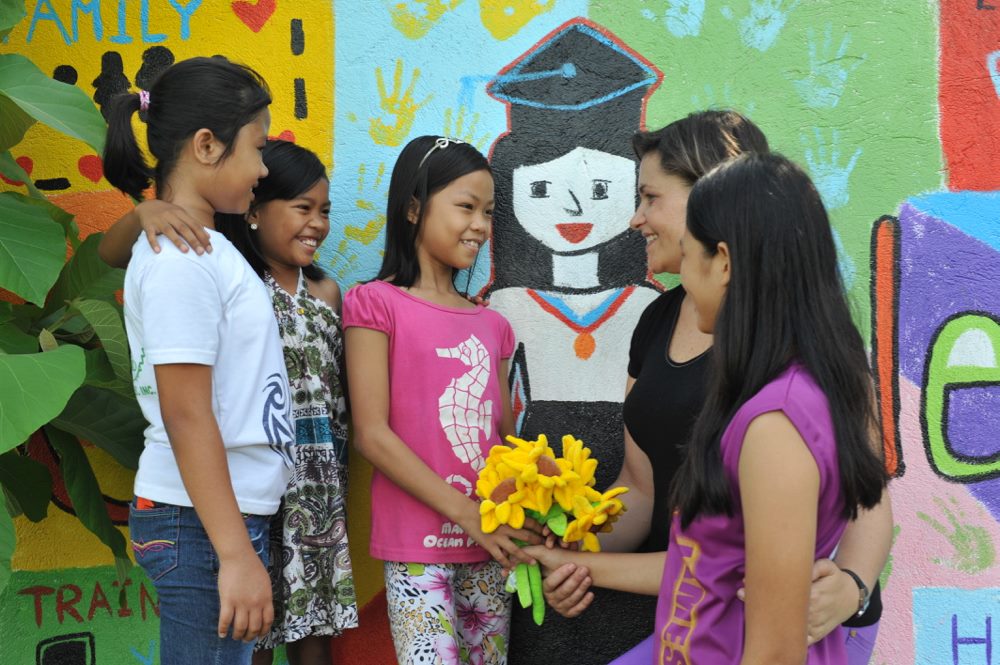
point(699, 619)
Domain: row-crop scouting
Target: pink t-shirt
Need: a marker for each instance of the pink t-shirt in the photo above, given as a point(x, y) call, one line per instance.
point(444, 403)
point(699, 619)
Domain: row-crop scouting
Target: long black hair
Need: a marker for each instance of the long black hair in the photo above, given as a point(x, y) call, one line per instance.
point(422, 170)
point(694, 145)
point(210, 93)
point(785, 302)
point(291, 171)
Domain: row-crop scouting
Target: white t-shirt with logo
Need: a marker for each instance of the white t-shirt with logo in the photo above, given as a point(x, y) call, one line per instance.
point(210, 310)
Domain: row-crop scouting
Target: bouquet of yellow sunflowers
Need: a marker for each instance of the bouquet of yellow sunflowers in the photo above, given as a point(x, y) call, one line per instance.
point(526, 479)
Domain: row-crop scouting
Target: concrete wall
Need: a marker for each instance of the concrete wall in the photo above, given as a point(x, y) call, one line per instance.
point(893, 107)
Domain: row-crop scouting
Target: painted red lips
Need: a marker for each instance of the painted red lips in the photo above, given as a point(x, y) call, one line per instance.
point(574, 233)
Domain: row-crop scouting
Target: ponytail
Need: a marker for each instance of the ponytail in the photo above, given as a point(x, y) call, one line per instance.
point(124, 165)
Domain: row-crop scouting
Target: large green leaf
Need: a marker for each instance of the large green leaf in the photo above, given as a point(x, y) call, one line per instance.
point(107, 324)
point(34, 388)
point(13, 171)
point(84, 492)
point(7, 542)
point(15, 340)
point(106, 419)
point(32, 248)
point(15, 123)
point(63, 107)
point(60, 217)
point(86, 276)
point(11, 13)
point(28, 482)
point(100, 374)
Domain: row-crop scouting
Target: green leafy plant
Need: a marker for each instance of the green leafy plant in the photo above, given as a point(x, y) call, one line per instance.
point(64, 365)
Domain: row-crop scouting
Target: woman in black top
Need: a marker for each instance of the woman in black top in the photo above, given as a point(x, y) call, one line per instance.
point(667, 368)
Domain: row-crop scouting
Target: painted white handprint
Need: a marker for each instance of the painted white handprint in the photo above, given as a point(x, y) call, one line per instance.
point(760, 28)
point(461, 407)
point(828, 71)
point(829, 175)
point(682, 17)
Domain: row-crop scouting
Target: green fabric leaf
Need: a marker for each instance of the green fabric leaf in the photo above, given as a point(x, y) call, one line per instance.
point(558, 524)
point(84, 492)
point(13, 171)
point(85, 276)
point(11, 13)
point(15, 123)
point(63, 107)
point(28, 482)
point(32, 248)
point(108, 420)
point(7, 543)
point(107, 324)
point(34, 388)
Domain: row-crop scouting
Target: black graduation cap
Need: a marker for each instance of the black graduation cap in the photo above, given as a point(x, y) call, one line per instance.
point(580, 81)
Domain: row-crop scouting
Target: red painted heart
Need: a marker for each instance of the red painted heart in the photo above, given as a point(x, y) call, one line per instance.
point(254, 15)
point(25, 163)
point(91, 167)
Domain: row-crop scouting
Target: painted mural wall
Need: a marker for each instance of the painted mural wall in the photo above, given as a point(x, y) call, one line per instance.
point(894, 108)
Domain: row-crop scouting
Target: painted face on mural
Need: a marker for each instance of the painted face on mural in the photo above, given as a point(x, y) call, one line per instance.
point(661, 214)
point(575, 202)
point(291, 231)
point(458, 221)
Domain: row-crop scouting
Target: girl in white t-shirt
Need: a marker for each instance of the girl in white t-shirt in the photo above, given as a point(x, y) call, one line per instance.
point(207, 365)
point(428, 400)
point(289, 218)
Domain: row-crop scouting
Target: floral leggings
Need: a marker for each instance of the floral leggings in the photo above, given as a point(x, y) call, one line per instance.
point(450, 613)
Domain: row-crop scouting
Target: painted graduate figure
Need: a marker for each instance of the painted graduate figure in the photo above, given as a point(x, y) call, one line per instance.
point(782, 454)
point(425, 370)
point(567, 273)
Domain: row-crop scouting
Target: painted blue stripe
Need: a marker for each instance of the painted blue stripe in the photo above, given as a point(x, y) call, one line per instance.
point(516, 75)
point(977, 214)
point(586, 319)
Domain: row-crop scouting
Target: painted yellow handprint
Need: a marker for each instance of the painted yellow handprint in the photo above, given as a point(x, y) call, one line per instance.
point(505, 18)
point(973, 545)
point(416, 17)
point(399, 106)
point(344, 258)
point(460, 126)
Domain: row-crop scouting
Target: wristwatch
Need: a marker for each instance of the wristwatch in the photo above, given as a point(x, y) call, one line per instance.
point(864, 595)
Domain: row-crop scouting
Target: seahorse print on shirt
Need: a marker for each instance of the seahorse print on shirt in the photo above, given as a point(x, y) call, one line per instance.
point(463, 412)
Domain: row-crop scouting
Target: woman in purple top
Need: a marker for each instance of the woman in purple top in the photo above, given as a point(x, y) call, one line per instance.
point(781, 455)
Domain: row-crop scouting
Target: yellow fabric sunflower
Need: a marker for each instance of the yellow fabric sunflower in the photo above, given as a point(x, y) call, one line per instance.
point(503, 498)
point(591, 517)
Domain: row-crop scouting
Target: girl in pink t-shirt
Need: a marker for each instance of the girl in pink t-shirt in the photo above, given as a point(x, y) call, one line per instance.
point(424, 369)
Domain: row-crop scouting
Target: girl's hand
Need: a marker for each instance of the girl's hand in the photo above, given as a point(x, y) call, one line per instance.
point(833, 599)
point(156, 217)
point(500, 544)
point(567, 591)
point(245, 601)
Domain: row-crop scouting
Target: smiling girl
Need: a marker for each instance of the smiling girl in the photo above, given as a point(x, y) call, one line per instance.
point(287, 221)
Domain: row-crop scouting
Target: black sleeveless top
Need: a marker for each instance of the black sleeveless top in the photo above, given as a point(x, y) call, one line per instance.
point(663, 404)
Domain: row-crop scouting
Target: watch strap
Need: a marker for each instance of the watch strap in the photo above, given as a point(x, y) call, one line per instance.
point(864, 594)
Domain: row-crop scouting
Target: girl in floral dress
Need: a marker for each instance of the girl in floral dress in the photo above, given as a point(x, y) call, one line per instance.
point(310, 565)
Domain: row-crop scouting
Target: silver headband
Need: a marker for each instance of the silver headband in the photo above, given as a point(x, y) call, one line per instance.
point(441, 142)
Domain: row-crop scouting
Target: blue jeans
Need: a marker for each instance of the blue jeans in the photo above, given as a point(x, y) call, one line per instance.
point(172, 547)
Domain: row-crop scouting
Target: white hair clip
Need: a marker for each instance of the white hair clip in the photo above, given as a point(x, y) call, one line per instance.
point(441, 142)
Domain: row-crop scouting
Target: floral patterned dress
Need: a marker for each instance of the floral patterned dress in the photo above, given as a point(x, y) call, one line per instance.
point(310, 565)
